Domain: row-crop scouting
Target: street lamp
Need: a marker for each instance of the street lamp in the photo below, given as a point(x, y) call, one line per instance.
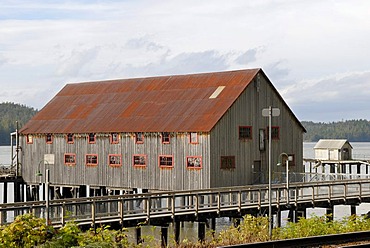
point(47, 182)
point(288, 158)
point(269, 112)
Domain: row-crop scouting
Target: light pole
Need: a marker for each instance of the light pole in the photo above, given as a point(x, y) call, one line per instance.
point(269, 112)
point(287, 171)
point(47, 182)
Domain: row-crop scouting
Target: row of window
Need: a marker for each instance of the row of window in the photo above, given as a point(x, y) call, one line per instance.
point(114, 138)
point(245, 133)
point(138, 160)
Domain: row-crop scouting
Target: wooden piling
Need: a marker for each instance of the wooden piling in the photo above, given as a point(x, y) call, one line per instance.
point(201, 231)
point(176, 229)
point(164, 236)
point(138, 235)
point(330, 213)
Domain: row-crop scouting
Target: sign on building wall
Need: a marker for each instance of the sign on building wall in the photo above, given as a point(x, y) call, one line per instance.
point(49, 159)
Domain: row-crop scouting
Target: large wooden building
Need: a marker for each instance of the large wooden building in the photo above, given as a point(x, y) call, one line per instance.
point(162, 133)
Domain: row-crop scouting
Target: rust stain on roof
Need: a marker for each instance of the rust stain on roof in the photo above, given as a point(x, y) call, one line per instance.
point(178, 103)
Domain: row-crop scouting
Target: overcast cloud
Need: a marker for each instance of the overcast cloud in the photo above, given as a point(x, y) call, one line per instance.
point(315, 52)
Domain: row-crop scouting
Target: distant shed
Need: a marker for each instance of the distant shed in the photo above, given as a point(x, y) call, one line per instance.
point(333, 149)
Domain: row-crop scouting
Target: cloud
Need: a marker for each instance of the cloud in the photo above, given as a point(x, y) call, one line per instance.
point(277, 71)
point(143, 42)
point(183, 63)
point(336, 97)
point(247, 57)
point(45, 44)
point(3, 61)
point(78, 62)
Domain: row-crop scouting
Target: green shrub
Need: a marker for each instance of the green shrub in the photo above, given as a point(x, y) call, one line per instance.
point(25, 231)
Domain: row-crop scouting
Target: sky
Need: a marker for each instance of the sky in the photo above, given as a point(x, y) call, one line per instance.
point(316, 53)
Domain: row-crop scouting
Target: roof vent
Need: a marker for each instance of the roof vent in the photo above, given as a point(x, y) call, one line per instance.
point(217, 92)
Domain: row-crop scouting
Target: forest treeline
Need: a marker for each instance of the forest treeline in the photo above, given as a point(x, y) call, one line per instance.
point(10, 113)
point(352, 130)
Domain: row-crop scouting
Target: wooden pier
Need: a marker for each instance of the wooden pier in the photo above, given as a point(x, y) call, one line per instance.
point(203, 206)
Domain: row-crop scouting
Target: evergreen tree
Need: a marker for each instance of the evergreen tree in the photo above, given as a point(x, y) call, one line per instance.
point(10, 113)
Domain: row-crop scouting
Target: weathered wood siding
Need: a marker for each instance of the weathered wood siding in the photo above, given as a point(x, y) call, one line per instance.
point(126, 176)
point(247, 111)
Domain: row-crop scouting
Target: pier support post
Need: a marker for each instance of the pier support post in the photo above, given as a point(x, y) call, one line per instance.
point(300, 214)
point(28, 193)
point(236, 222)
point(353, 209)
point(5, 193)
point(213, 226)
point(278, 218)
point(164, 236)
point(201, 231)
point(291, 215)
point(176, 229)
point(330, 213)
point(138, 235)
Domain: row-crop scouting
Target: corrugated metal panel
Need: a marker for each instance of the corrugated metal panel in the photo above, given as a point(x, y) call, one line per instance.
point(330, 144)
point(156, 104)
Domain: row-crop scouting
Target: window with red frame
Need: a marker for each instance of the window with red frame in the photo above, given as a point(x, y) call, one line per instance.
point(92, 138)
point(139, 160)
point(227, 162)
point(91, 159)
point(115, 160)
point(70, 138)
point(166, 161)
point(193, 138)
point(139, 138)
point(70, 159)
point(114, 138)
point(245, 132)
point(49, 138)
point(29, 139)
point(275, 132)
point(291, 159)
point(194, 162)
point(166, 138)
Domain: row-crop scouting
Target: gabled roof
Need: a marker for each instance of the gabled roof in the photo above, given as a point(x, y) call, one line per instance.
point(331, 144)
point(179, 103)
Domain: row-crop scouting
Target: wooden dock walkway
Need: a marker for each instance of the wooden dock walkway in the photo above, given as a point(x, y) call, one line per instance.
point(166, 207)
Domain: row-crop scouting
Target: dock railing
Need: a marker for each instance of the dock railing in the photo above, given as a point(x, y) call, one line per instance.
point(182, 204)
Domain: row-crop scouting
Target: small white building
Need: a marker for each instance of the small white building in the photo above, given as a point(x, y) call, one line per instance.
point(333, 149)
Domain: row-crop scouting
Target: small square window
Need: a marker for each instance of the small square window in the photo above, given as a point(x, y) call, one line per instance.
point(290, 158)
point(114, 138)
point(70, 138)
point(166, 138)
point(193, 138)
point(165, 161)
point(91, 159)
point(115, 160)
point(275, 132)
point(194, 162)
point(29, 139)
point(245, 133)
point(139, 160)
point(92, 138)
point(227, 162)
point(49, 138)
point(70, 159)
point(139, 138)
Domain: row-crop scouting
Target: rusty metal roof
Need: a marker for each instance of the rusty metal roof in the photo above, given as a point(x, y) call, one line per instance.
point(178, 103)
